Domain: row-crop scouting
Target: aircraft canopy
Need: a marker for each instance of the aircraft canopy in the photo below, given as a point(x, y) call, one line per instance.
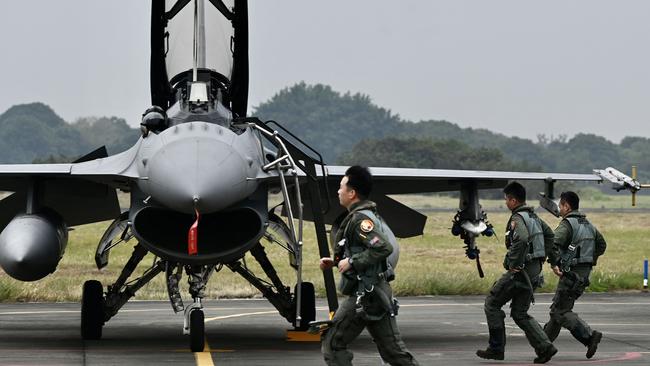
point(198, 27)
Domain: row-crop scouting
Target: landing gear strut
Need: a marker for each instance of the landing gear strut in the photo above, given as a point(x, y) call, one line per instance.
point(97, 309)
point(194, 324)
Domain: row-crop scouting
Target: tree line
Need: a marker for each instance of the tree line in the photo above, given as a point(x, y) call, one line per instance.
point(348, 128)
point(345, 128)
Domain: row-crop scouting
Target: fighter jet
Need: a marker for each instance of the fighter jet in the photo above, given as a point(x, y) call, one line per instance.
point(200, 177)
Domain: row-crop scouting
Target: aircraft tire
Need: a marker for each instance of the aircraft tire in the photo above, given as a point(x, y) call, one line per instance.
point(307, 306)
point(197, 331)
point(92, 310)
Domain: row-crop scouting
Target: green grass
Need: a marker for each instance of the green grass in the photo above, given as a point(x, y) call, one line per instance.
point(431, 264)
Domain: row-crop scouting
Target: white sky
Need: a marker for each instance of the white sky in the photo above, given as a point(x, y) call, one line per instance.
point(518, 67)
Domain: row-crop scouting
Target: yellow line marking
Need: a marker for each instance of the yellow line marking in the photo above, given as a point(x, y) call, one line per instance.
point(204, 358)
point(240, 315)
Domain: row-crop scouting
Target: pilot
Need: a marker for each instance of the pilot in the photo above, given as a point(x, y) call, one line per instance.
point(527, 240)
point(361, 257)
point(577, 246)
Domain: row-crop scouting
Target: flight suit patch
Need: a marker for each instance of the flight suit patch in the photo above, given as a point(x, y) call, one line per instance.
point(367, 226)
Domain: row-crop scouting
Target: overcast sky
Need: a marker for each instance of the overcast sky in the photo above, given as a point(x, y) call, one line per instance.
point(517, 67)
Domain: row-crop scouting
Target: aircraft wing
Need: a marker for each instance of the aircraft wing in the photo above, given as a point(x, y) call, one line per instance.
point(406, 180)
point(407, 222)
point(82, 192)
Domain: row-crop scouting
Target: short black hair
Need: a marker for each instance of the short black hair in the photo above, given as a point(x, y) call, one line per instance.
point(516, 191)
point(571, 198)
point(359, 179)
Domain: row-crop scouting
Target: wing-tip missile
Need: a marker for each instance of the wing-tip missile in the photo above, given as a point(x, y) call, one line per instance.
point(618, 179)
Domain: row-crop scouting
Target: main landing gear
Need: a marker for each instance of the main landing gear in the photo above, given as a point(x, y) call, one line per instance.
point(92, 310)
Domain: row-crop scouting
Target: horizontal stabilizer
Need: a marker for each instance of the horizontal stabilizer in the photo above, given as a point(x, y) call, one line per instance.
point(404, 221)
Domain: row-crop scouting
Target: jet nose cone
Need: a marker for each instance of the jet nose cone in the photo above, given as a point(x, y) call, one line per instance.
point(199, 172)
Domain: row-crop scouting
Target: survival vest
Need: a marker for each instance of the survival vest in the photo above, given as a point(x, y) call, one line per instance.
point(583, 241)
point(535, 235)
point(382, 271)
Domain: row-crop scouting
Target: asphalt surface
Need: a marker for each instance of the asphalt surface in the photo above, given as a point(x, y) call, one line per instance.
point(438, 331)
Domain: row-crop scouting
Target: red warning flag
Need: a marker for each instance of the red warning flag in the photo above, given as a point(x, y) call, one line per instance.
point(193, 236)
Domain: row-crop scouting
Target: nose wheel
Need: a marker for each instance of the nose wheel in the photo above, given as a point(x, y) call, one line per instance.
point(195, 326)
point(197, 331)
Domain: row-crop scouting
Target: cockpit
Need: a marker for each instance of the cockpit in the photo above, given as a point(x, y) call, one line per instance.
point(199, 61)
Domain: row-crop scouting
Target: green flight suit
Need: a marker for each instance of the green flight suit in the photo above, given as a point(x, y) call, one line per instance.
point(572, 284)
point(370, 250)
point(518, 287)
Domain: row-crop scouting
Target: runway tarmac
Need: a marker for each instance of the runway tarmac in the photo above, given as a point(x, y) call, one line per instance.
point(439, 330)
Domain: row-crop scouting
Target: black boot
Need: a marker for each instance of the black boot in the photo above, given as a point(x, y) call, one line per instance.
point(490, 354)
point(497, 345)
point(596, 336)
point(546, 355)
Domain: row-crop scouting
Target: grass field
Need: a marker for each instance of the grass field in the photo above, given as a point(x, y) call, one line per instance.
point(432, 264)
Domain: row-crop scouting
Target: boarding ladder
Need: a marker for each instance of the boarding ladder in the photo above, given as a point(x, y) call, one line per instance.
point(290, 158)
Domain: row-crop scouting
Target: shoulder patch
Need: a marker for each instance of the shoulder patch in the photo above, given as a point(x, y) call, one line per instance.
point(367, 225)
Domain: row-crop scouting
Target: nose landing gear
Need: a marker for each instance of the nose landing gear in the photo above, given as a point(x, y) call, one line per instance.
point(194, 326)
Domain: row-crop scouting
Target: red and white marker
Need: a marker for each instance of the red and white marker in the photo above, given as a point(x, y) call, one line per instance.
point(193, 236)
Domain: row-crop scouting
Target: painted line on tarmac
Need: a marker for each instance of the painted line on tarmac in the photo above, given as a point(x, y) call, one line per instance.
point(216, 309)
point(627, 356)
point(620, 324)
point(537, 303)
point(37, 312)
point(204, 358)
point(40, 312)
point(509, 326)
point(240, 315)
point(514, 326)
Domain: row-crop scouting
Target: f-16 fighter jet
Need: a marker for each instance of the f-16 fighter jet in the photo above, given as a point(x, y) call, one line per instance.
point(199, 180)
